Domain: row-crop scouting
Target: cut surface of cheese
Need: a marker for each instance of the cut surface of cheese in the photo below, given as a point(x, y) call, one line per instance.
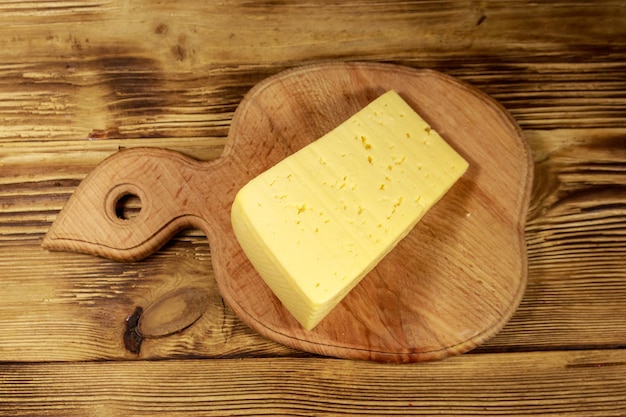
point(317, 222)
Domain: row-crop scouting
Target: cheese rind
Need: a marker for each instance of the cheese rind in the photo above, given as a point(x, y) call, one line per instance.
point(317, 222)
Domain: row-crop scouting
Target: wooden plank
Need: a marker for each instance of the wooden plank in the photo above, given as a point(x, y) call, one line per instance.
point(576, 383)
point(75, 307)
point(180, 71)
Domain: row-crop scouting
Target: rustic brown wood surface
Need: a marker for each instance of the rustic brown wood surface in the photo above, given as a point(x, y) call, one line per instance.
point(80, 80)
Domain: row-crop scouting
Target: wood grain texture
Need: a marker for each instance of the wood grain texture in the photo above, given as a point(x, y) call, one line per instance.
point(81, 79)
point(181, 70)
point(581, 384)
point(575, 243)
point(47, 148)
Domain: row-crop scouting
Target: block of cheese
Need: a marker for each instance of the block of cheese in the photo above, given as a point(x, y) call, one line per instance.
point(318, 221)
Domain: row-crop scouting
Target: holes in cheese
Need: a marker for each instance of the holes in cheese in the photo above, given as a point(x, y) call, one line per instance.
point(318, 221)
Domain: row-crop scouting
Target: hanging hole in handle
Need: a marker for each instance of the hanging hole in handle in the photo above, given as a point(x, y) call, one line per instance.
point(125, 203)
point(128, 206)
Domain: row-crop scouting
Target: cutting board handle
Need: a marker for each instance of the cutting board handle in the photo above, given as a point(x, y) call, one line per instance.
point(169, 186)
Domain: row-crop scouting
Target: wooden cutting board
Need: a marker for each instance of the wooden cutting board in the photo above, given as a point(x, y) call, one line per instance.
point(451, 284)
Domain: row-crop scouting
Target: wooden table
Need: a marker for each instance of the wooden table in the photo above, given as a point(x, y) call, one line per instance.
point(81, 79)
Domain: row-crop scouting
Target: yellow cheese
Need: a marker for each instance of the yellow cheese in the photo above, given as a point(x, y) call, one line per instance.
point(317, 222)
